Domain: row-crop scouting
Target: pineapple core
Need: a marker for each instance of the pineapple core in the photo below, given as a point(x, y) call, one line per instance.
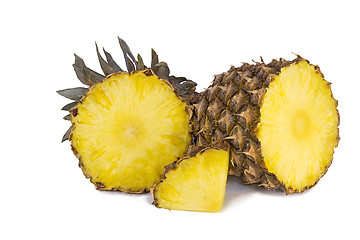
point(196, 184)
point(127, 129)
point(298, 126)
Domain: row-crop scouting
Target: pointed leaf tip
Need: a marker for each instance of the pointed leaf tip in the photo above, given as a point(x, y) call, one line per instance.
point(67, 117)
point(91, 76)
point(111, 61)
point(154, 61)
point(78, 65)
point(126, 50)
point(73, 93)
point(67, 134)
point(141, 65)
point(79, 61)
point(129, 64)
point(105, 67)
point(69, 106)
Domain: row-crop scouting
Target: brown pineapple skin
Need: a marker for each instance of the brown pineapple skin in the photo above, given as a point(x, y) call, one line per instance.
point(229, 110)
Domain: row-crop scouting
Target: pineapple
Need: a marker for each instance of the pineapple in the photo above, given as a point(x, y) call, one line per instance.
point(194, 183)
point(280, 120)
point(128, 125)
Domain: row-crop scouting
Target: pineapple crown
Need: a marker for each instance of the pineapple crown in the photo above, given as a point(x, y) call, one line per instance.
point(184, 87)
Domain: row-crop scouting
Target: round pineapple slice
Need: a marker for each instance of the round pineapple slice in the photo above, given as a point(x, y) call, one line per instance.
point(298, 127)
point(127, 128)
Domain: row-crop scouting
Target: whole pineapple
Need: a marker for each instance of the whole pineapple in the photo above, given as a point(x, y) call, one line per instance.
point(128, 125)
point(280, 120)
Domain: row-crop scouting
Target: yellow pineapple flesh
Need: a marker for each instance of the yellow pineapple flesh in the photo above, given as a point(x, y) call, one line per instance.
point(194, 183)
point(127, 128)
point(298, 127)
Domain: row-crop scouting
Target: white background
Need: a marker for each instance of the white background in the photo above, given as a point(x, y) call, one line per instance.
point(43, 192)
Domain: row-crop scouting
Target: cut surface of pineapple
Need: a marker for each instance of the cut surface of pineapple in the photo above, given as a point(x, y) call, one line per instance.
point(298, 127)
point(127, 128)
point(194, 184)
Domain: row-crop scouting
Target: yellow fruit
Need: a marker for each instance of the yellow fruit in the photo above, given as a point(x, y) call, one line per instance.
point(127, 128)
point(195, 183)
point(298, 127)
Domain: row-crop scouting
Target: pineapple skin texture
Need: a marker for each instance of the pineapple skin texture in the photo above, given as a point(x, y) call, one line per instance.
point(180, 146)
point(230, 110)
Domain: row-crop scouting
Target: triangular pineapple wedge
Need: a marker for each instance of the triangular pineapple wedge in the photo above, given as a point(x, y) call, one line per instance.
point(195, 183)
